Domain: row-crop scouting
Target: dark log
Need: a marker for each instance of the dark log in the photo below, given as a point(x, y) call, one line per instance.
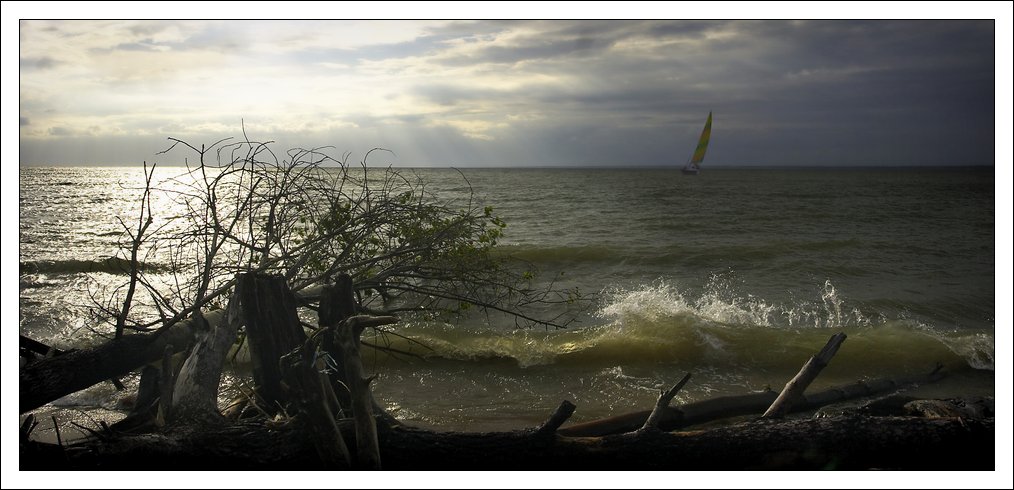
point(719, 408)
point(31, 346)
point(27, 426)
point(793, 391)
point(166, 384)
point(308, 390)
point(142, 416)
point(273, 330)
point(847, 443)
point(347, 334)
point(148, 389)
point(47, 379)
point(842, 443)
point(560, 415)
point(662, 405)
point(337, 302)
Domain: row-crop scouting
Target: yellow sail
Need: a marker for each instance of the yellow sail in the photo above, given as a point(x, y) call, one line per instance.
point(702, 144)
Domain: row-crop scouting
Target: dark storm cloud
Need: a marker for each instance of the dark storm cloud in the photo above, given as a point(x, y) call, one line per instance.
point(534, 49)
point(561, 39)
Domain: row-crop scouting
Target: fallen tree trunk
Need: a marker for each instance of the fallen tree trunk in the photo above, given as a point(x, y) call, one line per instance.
point(845, 443)
point(33, 349)
point(696, 413)
point(47, 379)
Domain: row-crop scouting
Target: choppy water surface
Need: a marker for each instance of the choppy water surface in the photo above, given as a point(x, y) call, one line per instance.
point(735, 275)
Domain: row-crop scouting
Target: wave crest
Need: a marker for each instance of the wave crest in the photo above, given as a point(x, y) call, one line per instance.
point(111, 265)
point(661, 323)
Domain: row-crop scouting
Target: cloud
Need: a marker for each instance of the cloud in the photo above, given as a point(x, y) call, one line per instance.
point(505, 91)
point(61, 131)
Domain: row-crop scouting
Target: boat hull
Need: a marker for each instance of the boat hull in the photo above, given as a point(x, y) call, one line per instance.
point(690, 171)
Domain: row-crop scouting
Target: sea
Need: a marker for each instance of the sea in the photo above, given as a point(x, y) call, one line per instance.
point(736, 275)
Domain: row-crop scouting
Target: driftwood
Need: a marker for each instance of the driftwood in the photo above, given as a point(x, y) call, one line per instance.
point(348, 332)
point(337, 302)
point(844, 443)
point(33, 349)
point(560, 415)
point(793, 391)
point(47, 379)
point(168, 381)
point(301, 372)
point(195, 395)
point(273, 330)
point(702, 412)
point(662, 405)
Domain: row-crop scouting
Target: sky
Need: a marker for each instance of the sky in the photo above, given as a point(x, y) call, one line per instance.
point(516, 93)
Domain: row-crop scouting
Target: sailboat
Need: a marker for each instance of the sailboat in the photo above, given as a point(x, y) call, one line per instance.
point(693, 167)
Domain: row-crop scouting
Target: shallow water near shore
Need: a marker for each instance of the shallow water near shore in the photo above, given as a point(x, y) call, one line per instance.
point(735, 275)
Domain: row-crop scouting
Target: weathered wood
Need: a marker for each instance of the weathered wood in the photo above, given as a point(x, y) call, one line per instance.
point(337, 302)
point(719, 408)
point(560, 415)
point(195, 396)
point(842, 443)
point(308, 391)
point(29, 346)
point(148, 389)
point(662, 405)
point(166, 385)
point(793, 391)
point(273, 330)
point(347, 333)
point(143, 413)
point(27, 426)
point(46, 379)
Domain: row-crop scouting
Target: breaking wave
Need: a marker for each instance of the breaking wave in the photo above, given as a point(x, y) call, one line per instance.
point(110, 265)
point(660, 323)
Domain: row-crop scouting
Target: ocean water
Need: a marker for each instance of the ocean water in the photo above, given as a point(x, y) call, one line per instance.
point(735, 275)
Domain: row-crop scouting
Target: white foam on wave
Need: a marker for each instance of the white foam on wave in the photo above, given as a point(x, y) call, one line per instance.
point(663, 300)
